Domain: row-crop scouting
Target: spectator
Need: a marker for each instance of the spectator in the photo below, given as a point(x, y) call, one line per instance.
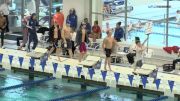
point(96, 31)
point(178, 17)
point(33, 23)
point(25, 33)
point(176, 60)
point(5, 9)
point(88, 26)
point(3, 24)
point(72, 19)
point(119, 32)
point(59, 17)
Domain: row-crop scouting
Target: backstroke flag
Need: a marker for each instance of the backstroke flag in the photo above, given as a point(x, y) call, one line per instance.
point(171, 84)
point(1, 57)
point(157, 81)
point(43, 64)
point(104, 73)
point(21, 59)
point(130, 77)
point(11, 59)
point(91, 72)
point(55, 65)
point(67, 67)
point(117, 75)
point(79, 70)
point(32, 62)
point(144, 80)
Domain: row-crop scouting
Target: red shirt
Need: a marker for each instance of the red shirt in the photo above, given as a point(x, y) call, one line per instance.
point(59, 18)
point(96, 29)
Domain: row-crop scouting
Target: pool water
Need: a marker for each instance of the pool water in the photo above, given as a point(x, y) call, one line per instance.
point(59, 88)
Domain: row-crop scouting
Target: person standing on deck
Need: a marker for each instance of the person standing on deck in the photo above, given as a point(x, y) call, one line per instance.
point(5, 9)
point(56, 41)
point(72, 19)
point(3, 24)
point(66, 37)
point(108, 44)
point(82, 40)
point(119, 32)
point(32, 24)
point(59, 17)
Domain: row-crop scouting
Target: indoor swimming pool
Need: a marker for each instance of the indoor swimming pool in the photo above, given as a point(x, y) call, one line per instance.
point(158, 37)
point(59, 88)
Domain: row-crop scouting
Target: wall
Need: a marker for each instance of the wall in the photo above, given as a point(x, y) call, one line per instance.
point(82, 8)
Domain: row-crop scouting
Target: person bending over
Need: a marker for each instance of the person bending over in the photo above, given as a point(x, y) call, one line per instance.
point(66, 36)
point(139, 48)
point(56, 41)
point(107, 45)
point(3, 24)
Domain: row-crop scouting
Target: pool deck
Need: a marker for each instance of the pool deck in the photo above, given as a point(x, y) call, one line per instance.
point(110, 80)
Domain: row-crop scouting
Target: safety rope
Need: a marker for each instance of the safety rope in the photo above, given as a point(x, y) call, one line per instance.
point(160, 98)
point(80, 94)
point(27, 84)
point(2, 69)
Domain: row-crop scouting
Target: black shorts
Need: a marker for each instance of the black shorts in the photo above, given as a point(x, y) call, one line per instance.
point(57, 43)
point(69, 44)
point(108, 52)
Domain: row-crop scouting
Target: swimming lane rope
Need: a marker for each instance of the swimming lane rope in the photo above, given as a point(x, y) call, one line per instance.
point(27, 84)
point(80, 94)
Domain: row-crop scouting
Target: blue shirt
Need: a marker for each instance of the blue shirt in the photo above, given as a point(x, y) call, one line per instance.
point(119, 33)
point(33, 24)
point(88, 28)
point(72, 20)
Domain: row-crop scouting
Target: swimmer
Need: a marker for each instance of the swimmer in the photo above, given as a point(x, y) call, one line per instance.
point(67, 38)
point(107, 45)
